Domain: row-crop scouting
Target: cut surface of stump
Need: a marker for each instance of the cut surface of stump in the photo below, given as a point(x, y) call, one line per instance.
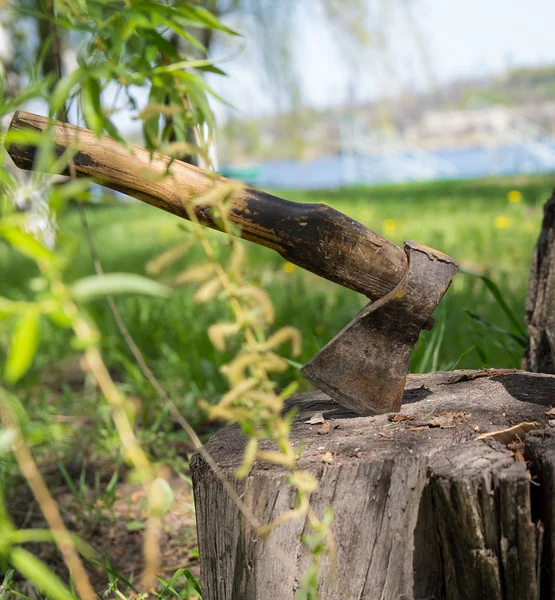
point(422, 509)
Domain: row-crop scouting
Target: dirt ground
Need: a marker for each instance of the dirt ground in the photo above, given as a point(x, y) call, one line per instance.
point(117, 533)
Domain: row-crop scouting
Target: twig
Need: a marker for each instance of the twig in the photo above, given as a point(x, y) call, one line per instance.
point(49, 508)
point(156, 385)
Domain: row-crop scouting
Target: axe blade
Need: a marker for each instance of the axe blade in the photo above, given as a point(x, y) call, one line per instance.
point(364, 367)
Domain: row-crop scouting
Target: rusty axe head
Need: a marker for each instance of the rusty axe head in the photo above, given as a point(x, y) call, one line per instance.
point(365, 365)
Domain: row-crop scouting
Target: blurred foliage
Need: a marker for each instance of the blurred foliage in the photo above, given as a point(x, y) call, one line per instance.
point(123, 47)
point(455, 216)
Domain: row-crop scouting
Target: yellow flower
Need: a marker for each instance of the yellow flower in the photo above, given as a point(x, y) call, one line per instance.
point(501, 222)
point(514, 196)
point(320, 329)
point(389, 226)
point(288, 267)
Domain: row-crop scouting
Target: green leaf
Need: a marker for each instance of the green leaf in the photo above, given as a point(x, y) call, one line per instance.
point(289, 390)
point(11, 307)
point(60, 318)
point(151, 51)
point(77, 189)
point(39, 574)
point(151, 127)
point(520, 340)
point(26, 244)
point(63, 89)
point(192, 580)
point(27, 536)
point(23, 347)
point(438, 342)
point(454, 364)
point(164, 47)
point(293, 363)
point(96, 286)
point(169, 584)
point(92, 109)
point(212, 69)
point(185, 35)
point(498, 295)
point(90, 105)
point(428, 362)
point(114, 574)
point(201, 17)
point(181, 65)
point(135, 526)
point(128, 29)
point(10, 105)
point(19, 137)
point(135, 20)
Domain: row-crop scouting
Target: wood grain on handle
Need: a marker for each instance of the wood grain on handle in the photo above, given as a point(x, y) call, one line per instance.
point(313, 236)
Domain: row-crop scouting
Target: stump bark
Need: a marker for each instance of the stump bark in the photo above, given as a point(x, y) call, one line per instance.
point(540, 300)
point(422, 509)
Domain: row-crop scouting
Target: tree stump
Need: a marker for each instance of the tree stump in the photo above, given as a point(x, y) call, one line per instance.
point(422, 509)
point(540, 301)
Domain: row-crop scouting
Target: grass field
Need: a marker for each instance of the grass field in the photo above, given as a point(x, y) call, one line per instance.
point(473, 221)
point(73, 436)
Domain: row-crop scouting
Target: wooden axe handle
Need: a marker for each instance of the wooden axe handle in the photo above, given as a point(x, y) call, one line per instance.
point(314, 236)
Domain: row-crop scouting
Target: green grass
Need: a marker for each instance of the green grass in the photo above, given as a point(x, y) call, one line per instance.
point(456, 217)
point(70, 427)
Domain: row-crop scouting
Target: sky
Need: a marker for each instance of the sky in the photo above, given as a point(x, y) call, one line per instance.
point(424, 43)
point(429, 43)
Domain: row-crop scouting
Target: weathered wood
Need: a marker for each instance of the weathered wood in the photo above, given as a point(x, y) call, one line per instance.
point(422, 509)
point(489, 544)
point(540, 452)
point(540, 301)
point(313, 236)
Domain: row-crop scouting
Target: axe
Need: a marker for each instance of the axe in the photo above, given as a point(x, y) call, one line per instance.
point(365, 365)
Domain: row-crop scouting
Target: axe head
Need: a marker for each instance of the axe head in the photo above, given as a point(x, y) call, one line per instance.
point(365, 365)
